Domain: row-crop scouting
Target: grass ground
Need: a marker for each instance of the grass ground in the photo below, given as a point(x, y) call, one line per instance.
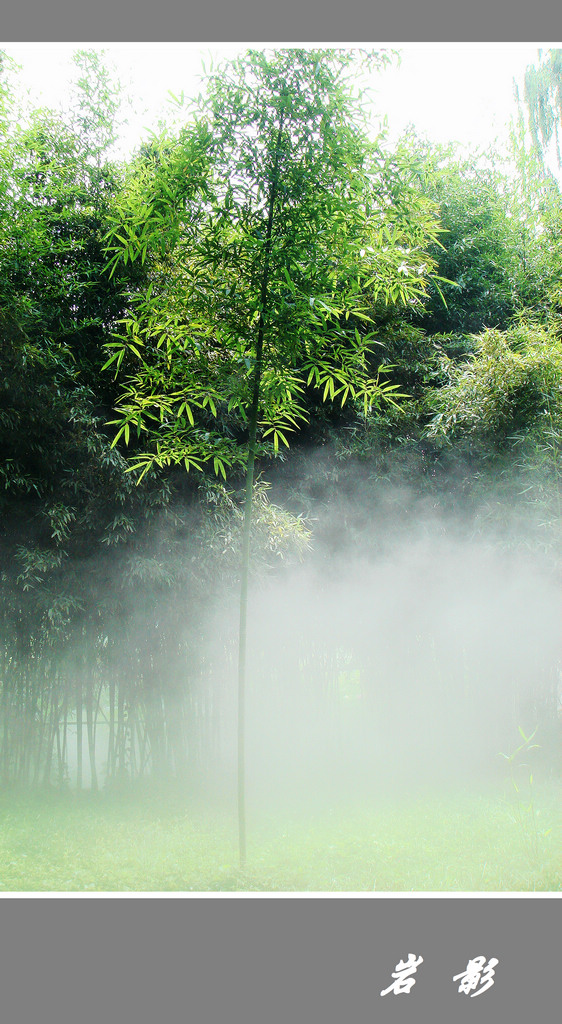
point(162, 841)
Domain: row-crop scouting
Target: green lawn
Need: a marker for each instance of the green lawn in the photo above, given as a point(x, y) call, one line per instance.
point(162, 841)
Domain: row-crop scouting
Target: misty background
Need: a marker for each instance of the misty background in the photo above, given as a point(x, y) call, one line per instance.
point(403, 650)
point(404, 617)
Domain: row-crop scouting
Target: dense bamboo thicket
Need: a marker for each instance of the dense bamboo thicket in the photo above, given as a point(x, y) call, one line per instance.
point(267, 332)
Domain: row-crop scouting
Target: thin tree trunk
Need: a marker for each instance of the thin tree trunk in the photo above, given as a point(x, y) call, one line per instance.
point(121, 730)
point(64, 743)
point(53, 727)
point(111, 737)
point(90, 727)
point(60, 759)
point(78, 683)
point(42, 718)
point(245, 569)
point(6, 720)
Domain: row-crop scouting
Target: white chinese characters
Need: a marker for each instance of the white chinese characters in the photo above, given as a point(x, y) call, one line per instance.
point(477, 974)
point(477, 977)
point(403, 975)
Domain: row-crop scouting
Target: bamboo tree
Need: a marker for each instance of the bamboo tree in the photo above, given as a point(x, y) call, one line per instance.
point(269, 229)
point(252, 440)
point(542, 95)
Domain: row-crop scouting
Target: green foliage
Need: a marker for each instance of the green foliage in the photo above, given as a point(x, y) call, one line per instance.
point(501, 412)
point(542, 95)
point(64, 492)
point(262, 276)
point(526, 813)
point(511, 385)
point(57, 187)
point(536, 207)
point(95, 109)
point(481, 253)
point(265, 265)
point(277, 535)
point(290, 225)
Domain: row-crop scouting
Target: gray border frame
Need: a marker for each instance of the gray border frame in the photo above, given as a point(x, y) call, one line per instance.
point(275, 961)
point(293, 20)
point(264, 960)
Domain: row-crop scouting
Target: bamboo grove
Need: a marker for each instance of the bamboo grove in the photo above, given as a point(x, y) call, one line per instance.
point(179, 330)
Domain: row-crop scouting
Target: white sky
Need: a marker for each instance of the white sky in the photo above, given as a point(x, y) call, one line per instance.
point(450, 91)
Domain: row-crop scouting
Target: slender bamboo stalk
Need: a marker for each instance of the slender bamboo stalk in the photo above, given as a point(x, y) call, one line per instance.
point(79, 715)
point(90, 731)
point(111, 745)
point(245, 568)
